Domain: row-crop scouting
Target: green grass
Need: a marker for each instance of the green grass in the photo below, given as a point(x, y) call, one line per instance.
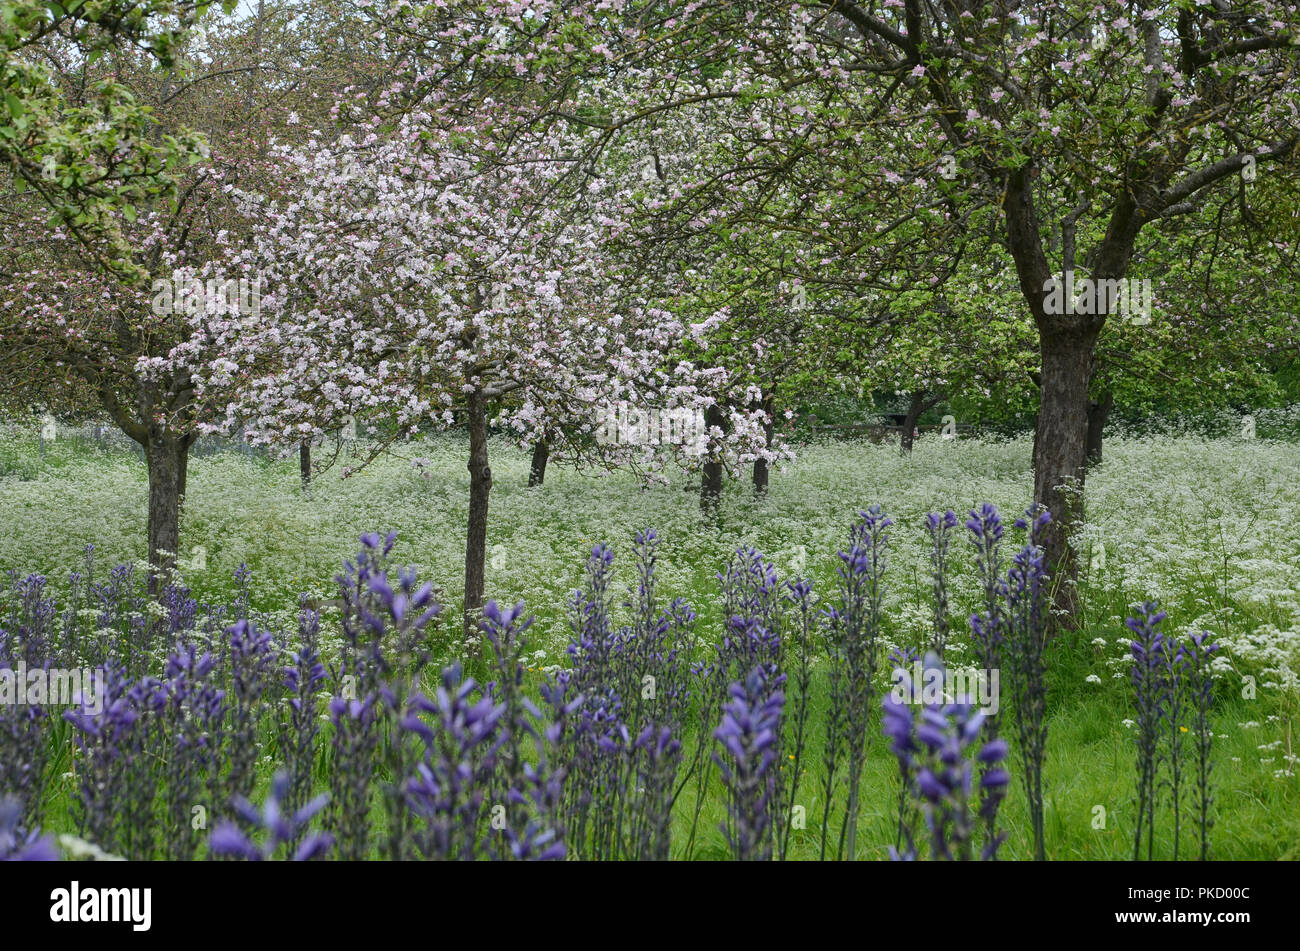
point(1209, 526)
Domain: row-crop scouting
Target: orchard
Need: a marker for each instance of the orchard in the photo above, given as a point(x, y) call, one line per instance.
point(637, 430)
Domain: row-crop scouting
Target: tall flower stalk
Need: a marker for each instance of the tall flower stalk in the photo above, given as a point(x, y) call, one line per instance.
point(749, 735)
point(281, 827)
point(462, 734)
point(1028, 600)
point(1173, 660)
point(353, 742)
point(192, 708)
point(252, 661)
point(655, 680)
point(940, 529)
point(989, 629)
point(901, 661)
point(1148, 699)
point(631, 683)
point(938, 752)
point(1172, 686)
point(384, 650)
point(800, 607)
point(109, 752)
point(852, 632)
point(303, 678)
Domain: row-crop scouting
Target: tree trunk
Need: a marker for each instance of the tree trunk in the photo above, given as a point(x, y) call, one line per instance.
point(167, 458)
point(1060, 451)
point(537, 470)
point(480, 487)
point(914, 410)
point(711, 482)
point(304, 463)
point(1037, 380)
point(762, 471)
point(1098, 412)
point(1033, 450)
point(1066, 343)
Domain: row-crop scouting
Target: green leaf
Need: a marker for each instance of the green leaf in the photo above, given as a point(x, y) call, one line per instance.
point(128, 211)
point(16, 107)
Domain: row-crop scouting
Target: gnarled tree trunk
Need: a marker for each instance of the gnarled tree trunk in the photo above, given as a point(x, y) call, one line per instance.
point(304, 463)
point(166, 455)
point(167, 458)
point(762, 471)
point(918, 405)
point(1066, 344)
point(1060, 456)
point(711, 482)
point(537, 469)
point(480, 487)
point(1098, 412)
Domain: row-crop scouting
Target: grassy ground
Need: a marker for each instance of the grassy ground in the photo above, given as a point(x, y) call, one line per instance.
point(1209, 526)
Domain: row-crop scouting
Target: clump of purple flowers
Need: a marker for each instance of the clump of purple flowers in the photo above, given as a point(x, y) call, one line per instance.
point(752, 637)
point(528, 784)
point(1028, 600)
point(384, 650)
point(628, 688)
point(462, 740)
point(26, 638)
point(491, 781)
point(17, 844)
point(252, 662)
point(303, 678)
point(1172, 684)
point(989, 625)
point(852, 631)
point(940, 529)
point(937, 754)
point(109, 753)
point(1149, 704)
point(353, 742)
point(749, 735)
point(193, 709)
point(589, 761)
point(281, 827)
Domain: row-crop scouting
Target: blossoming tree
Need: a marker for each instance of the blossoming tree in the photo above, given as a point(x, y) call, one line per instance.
point(125, 207)
point(426, 276)
point(1091, 126)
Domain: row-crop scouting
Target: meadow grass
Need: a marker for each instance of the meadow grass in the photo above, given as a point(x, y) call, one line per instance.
point(1210, 526)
